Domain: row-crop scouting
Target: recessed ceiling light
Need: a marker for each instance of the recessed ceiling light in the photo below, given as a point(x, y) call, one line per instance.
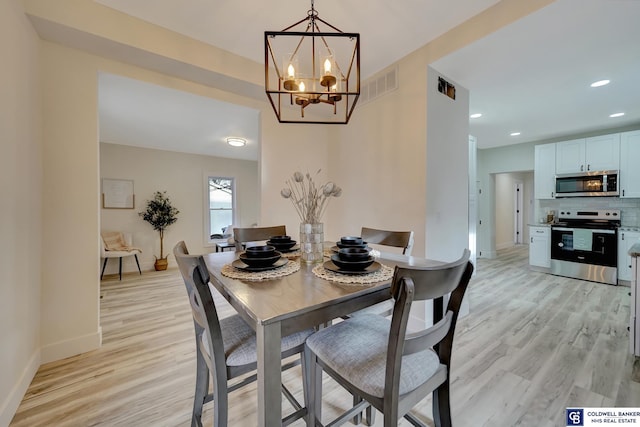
point(475, 116)
point(600, 83)
point(616, 115)
point(236, 142)
point(515, 133)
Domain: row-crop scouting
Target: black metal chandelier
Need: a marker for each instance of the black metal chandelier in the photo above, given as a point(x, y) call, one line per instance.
point(305, 66)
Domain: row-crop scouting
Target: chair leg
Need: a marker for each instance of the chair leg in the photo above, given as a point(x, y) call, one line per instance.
point(202, 388)
point(220, 403)
point(442, 406)
point(358, 418)
point(120, 267)
point(371, 416)
point(314, 381)
point(136, 256)
point(103, 267)
point(305, 379)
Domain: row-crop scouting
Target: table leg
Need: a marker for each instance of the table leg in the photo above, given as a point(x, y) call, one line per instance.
point(269, 375)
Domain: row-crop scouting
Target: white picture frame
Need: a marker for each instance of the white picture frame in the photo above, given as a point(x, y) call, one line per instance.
point(117, 194)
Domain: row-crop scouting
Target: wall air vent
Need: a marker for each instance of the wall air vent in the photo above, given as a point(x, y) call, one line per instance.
point(446, 88)
point(379, 85)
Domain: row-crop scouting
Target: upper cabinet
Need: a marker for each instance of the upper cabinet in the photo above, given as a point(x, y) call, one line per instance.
point(588, 154)
point(570, 156)
point(629, 175)
point(544, 175)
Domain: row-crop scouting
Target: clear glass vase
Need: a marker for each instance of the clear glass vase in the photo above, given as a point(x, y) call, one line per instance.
point(311, 242)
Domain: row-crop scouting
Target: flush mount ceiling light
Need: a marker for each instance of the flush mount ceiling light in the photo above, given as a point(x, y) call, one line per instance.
point(616, 115)
point(236, 142)
point(514, 133)
point(309, 66)
point(600, 83)
point(475, 116)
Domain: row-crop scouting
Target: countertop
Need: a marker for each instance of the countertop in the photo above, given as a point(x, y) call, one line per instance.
point(635, 250)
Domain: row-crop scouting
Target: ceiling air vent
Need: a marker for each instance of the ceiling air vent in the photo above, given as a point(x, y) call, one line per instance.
point(377, 86)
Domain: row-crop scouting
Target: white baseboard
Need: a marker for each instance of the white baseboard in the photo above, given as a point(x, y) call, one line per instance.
point(10, 405)
point(68, 348)
point(504, 245)
point(488, 254)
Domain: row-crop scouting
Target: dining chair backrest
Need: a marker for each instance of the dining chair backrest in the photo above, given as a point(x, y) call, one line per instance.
point(221, 358)
point(256, 234)
point(410, 284)
point(378, 360)
point(210, 346)
point(397, 239)
point(203, 308)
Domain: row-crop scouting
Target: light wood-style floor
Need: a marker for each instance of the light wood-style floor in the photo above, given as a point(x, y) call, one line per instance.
point(532, 345)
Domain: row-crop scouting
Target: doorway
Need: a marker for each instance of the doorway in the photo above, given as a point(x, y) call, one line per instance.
point(513, 208)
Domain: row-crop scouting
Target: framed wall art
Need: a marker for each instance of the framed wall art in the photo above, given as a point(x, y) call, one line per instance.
point(117, 194)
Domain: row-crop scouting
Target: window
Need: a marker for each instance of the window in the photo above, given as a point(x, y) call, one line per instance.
point(221, 203)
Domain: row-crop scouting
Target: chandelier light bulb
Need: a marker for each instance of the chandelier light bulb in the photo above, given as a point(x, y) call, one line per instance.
point(291, 72)
point(327, 66)
point(301, 87)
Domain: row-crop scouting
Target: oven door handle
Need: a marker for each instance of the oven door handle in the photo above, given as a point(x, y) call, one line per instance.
point(594, 230)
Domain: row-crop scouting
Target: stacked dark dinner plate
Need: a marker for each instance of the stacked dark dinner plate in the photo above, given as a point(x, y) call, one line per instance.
point(259, 258)
point(353, 255)
point(282, 243)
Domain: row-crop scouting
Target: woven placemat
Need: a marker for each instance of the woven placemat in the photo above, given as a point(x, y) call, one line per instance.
point(235, 273)
point(292, 254)
point(385, 273)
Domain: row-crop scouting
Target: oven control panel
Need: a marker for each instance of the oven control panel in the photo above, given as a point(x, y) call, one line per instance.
point(600, 214)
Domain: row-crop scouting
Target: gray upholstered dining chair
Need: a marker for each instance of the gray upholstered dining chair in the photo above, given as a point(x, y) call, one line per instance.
point(396, 239)
point(225, 348)
point(255, 234)
point(377, 360)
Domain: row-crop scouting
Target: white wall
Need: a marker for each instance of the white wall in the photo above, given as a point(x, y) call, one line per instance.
point(21, 212)
point(182, 177)
point(447, 168)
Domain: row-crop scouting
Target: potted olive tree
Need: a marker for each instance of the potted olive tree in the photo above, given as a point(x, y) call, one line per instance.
point(160, 214)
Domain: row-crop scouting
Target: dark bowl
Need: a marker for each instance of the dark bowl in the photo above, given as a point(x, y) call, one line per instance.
point(260, 251)
point(259, 262)
point(282, 246)
point(359, 245)
point(351, 240)
point(353, 254)
point(351, 265)
point(280, 239)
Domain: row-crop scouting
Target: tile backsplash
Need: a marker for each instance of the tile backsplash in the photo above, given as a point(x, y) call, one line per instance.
point(629, 208)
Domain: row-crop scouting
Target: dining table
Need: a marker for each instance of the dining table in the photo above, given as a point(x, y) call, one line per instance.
point(276, 307)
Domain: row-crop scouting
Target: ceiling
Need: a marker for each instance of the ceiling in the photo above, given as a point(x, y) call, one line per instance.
point(531, 77)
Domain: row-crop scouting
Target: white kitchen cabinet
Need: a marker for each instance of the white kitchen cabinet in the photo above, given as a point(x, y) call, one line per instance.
point(626, 239)
point(544, 176)
point(570, 156)
point(540, 246)
point(588, 154)
point(629, 175)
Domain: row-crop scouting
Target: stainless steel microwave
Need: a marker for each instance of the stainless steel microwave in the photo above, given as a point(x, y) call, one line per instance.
point(588, 184)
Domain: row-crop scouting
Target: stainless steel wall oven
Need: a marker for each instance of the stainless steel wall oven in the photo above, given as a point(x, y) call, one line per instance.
point(584, 245)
